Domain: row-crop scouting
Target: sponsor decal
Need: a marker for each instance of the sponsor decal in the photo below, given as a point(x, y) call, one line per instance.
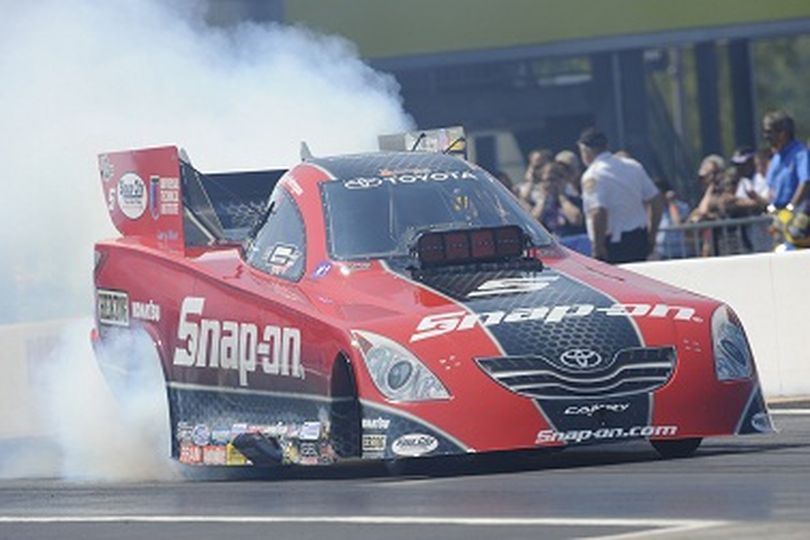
point(761, 422)
point(235, 345)
point(111, 199)
point(378, 423)
point(327, 454)
point(190, 454)
point(308, 453)
point(220, 435)
point(201, 435)
point(281, 257)
point(356, 266)
point(168, 236)
point(214, 455)
point(294, 186)
point(582, 435)
point(321, 270)
point(169, 196)
point(414, 444)
point(112, 307)
point(291, 453)
point(154, 182)
point(444, 323)
point(146, 311)
point(238, 429)
point(277, 430)
point(374, 443)
point(293, 431)
point(497, 287)
point(310, 431)
point(347, 269)
point(132, 195)
point(581, 360)
point(591, 409)
point(106, 167)
point(183, 431)
point(234, 456)
point(399, 172)
point(407, 178)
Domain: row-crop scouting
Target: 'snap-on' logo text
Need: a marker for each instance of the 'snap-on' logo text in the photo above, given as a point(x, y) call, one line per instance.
point(444, 323)
point(235, 345)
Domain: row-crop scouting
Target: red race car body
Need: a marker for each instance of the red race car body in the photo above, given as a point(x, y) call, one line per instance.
point(392, 305)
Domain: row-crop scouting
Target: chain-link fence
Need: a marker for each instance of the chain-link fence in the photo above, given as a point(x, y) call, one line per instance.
point(715, 238)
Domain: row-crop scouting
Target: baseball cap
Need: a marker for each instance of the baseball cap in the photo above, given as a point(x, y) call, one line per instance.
point(743, 155)
point(593, 138)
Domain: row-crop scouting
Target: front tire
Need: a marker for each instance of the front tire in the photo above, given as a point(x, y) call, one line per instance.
point(345, 413)
point(677, 448)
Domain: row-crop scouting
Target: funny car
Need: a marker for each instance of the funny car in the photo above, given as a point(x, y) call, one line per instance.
point(397, 304)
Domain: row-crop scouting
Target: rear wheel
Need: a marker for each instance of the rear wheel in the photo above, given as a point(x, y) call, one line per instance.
point(678, 448)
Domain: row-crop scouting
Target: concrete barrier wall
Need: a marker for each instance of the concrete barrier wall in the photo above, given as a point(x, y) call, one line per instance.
point(771, 294)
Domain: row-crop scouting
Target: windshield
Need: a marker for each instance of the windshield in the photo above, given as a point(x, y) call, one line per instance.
point(380, 217)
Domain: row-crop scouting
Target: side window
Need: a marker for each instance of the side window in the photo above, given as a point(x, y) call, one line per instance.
point(279, 247)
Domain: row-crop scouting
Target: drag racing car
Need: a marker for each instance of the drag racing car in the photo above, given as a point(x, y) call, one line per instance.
point(392, 305)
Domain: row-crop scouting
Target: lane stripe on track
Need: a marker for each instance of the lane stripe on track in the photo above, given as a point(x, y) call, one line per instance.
point(658, 526)
point(790, 412)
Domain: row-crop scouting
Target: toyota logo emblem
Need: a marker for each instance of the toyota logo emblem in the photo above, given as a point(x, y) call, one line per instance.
point(581, 359)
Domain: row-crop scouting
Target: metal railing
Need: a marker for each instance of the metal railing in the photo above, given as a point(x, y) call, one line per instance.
point(732, 236)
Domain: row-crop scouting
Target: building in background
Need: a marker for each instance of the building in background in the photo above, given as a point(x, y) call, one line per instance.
point(668, 81)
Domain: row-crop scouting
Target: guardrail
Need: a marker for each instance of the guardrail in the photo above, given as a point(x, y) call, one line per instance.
point(733, 236)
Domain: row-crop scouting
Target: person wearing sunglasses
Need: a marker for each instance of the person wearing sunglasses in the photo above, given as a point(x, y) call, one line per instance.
point(789, 169)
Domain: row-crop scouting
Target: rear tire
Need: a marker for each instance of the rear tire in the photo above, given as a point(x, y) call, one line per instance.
point(678, 448)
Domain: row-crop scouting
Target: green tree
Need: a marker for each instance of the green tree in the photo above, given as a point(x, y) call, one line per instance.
point(782, 78)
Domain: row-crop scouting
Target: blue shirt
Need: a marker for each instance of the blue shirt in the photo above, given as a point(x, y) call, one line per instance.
point(788, 168)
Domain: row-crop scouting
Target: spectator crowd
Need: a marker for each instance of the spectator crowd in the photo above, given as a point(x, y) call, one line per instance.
point(607, 204)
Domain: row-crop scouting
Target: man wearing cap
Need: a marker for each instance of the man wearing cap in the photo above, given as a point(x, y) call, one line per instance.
point(789, 170)
point(752, 194)
point(622, 205)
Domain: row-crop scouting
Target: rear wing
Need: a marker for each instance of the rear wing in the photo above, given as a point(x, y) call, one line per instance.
point(449, 140)
point(156, 193)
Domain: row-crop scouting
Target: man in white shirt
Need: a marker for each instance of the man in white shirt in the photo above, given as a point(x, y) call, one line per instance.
point(622, 205)
point(752, 185)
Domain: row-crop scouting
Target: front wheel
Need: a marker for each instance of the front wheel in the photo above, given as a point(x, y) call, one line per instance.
point(678, 448)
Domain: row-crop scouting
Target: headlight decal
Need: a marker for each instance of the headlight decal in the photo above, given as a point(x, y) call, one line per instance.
point(732, 355)
point(396, 372)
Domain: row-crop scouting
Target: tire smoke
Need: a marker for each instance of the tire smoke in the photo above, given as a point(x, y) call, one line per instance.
point(83, 77)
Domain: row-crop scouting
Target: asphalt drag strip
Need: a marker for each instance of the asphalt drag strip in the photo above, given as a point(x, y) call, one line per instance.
point(736, 487)
point(348, 527)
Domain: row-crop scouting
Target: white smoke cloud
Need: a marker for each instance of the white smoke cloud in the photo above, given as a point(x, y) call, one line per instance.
point(82, 77)
point(113, 429)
